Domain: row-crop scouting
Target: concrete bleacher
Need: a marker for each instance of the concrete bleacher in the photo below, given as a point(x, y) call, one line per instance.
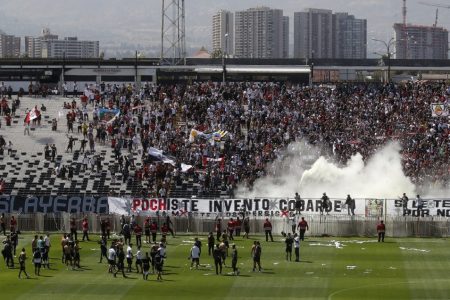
point(27, 172)
point(190, 189)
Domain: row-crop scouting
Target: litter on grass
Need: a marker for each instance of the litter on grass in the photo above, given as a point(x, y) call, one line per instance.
point(351, 267)
point(336, 244)
point(361, 242)
point(414, 249)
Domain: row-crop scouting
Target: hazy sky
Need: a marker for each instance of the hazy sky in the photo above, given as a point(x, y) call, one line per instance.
point(138, 22)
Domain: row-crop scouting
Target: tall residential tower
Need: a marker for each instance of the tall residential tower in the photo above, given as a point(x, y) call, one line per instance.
point(261, 33)
point(223, 33)
point(313, 33)
point(9, 45)
point(349, 37)
point(318, 33)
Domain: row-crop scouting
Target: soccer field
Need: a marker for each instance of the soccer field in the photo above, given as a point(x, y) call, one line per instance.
point(330, 268)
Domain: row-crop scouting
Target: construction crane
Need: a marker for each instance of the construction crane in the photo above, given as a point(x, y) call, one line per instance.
point(437, 10)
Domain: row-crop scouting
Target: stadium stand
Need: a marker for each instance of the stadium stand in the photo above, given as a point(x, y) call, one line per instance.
point(149, 149)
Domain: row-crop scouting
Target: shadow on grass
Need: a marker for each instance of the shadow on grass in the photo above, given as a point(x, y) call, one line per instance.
point(240, 275)
point(172, 267)
point(162, 281)
point(46, 276)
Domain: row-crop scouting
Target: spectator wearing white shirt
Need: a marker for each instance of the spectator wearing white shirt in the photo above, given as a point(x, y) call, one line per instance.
point(195, 256)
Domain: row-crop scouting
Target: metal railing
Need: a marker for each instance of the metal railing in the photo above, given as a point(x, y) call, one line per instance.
point(319, 225)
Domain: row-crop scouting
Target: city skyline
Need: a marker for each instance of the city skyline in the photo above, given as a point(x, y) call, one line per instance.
point(139, 28)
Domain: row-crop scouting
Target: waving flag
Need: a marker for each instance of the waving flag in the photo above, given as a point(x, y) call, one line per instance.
point(214, 136)
point(159, 155)
point(218, 135)
point(32, 115)
point(108, 115)
point(194, 134)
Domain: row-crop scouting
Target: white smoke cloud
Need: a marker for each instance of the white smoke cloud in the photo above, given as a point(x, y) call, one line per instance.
point(381, 177)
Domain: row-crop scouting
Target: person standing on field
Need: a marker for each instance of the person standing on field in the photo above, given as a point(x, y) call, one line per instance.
point(289, 241)
point(293, 223)
point(211, 241)
point(268, 230)
point(218, 229)
point(230, 228)
point(73, 228)
point(237, 227)
point(154, 231)
point(303, 226)
point(13, 224)
point(256, 254)
point(195, 256)
point(129, 256)
point(381, 229)
point(3, 224)
point(246, 227)
point(217, 255)
point(85, 226)
point(234, 259)
point(169, 224)
point(22, 259)
point(147, 230)
point(145, 266)
point(120, 263)
point(297, 247)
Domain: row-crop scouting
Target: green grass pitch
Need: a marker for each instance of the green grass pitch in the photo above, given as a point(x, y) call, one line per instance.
point(352, 268)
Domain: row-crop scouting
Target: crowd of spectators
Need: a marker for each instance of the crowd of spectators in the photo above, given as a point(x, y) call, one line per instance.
point(260, 119)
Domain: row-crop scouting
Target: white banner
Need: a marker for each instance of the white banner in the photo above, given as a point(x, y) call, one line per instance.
point(274, 207)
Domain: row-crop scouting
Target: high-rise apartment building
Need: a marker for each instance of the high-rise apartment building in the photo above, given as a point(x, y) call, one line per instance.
point(349, 37)
point(70, 47)
point(223, 33)
point(9, 45)
point(318, 33)
point(259, 33)
point(313, 33)
point(420, 42)
point(49, 46)
point(33, 45)
point(285, 37)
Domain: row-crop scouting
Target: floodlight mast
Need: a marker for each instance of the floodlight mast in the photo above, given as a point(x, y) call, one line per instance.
point(173, 33)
